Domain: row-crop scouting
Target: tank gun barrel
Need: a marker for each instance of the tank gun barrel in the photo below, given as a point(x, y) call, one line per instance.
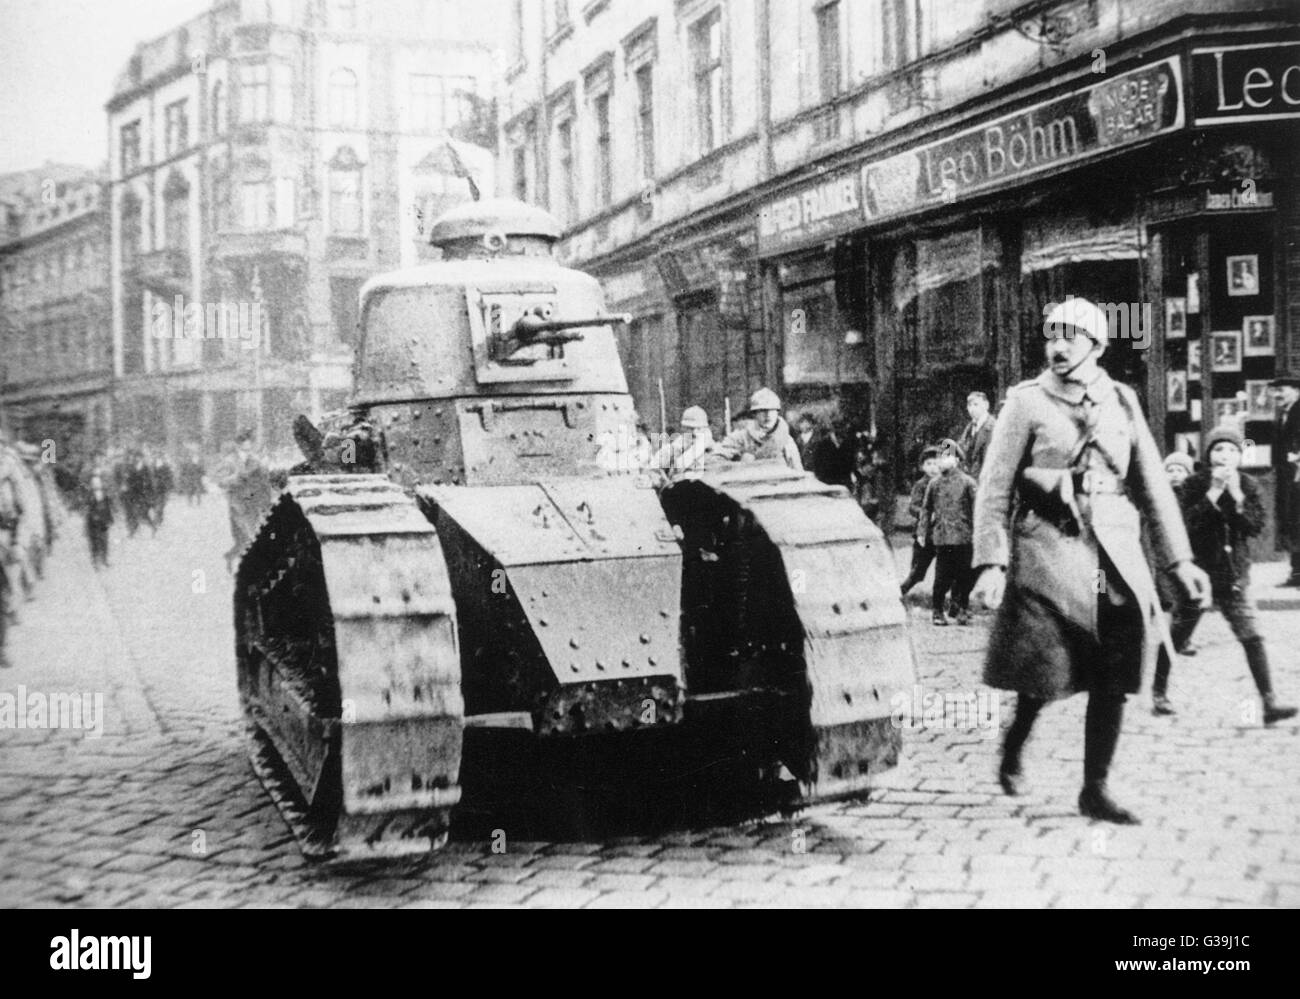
point(538, 326)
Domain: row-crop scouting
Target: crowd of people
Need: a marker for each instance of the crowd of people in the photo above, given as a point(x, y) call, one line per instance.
point(30, 516)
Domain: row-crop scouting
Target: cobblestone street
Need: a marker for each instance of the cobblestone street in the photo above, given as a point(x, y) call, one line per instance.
point(163, 809)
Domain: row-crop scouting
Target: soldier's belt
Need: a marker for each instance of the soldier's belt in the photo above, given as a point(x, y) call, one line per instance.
point(1096, 482)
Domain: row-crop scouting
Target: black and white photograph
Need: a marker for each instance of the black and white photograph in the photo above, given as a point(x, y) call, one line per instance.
point(1225, 351)
point(1257, 336)
point(1175, 318)
point(1176, 391)
point(649, 454)
point(1243, 275)
point(1260, 404)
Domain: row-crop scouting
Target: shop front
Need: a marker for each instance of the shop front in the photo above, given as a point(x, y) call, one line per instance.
point(1163, 191)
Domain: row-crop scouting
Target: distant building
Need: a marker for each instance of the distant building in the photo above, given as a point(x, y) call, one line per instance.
point(869, 204)
point(55, 322)
point(266, 158)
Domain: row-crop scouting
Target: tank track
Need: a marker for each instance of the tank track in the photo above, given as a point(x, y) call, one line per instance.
point(349, 670)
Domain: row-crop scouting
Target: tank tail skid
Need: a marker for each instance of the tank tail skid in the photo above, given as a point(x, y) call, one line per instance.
point(349, 670)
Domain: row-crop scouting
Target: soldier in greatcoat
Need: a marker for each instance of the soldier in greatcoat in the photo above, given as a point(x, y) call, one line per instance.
point(766, 436)
point(1071, 472)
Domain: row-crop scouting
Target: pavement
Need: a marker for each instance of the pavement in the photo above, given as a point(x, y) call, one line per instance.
point(161, 808)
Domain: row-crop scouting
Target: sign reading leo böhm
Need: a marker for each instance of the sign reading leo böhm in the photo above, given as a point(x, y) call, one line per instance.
point(1120, 110)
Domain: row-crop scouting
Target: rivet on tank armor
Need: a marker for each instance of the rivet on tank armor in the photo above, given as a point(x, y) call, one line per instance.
point(645, 639)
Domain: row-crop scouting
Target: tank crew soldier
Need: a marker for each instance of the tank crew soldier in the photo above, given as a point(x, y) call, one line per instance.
point(99, 515)
point(247, 483)
point(1072, 453)
point(1286, 466)
point(689, 449)
point(765, 436)
point(1224, 508)
point(977, 433)
point(922, 552)
point(949, 512)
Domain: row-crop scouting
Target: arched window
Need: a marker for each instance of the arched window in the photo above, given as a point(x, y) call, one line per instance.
point(343, 99)
point(218, 108)
point(345, 193)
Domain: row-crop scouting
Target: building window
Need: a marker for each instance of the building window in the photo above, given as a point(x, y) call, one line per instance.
point(900, 32)
point(520, 172)
point(828, 51)
point(255, 92)
point(706, 57)
point(645, 121)
point(345, 194)
point(176, 213)
point(517, 32)
point(131, 231)
point(218, 108)
point(343, 99)
point(441, 102)
point(282, 96)
point(130, 147)
point(343, 15)
point(564, 155)
point(256, 205)
point(177, 129)
point(604, 158)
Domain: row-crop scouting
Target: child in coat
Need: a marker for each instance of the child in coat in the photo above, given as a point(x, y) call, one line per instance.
point(922, 553)
point(1223, 509)
point(949, 512)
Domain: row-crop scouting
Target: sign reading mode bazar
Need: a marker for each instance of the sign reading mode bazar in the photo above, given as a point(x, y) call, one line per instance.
point(1117, 111)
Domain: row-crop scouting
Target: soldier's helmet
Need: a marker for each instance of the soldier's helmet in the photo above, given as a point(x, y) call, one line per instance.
point(695, 418)
point(1077, 316)
point(763, 399)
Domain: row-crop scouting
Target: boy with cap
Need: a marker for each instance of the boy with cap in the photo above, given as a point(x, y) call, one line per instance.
point(1223, 509)
point(948, 511)
point(922, 553)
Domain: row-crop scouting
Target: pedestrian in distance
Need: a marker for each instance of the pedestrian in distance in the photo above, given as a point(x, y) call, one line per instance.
point(948, 511)
point(1224, 508)
point(164, 481)
point(99, 517)
point(1071, 472)
point(1286, 469)
point(922, 551)
point(975, 436)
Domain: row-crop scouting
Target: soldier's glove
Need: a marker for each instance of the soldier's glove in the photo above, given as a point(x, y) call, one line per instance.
point(1049, 492)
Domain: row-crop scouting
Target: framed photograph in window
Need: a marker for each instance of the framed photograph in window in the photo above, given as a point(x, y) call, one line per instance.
point(1257, 334)
point(1226, 347)
point(1259, 399)
point(1176, 391)
point(1175, 318)
point(1243, 275)
point(1193, 360)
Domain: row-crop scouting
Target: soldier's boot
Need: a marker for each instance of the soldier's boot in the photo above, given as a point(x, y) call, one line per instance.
point(1010, 776)
point(1102, 724)
point(1160, 686)
point(1257, 660)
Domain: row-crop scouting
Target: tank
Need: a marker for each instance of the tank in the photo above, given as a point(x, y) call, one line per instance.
point(468, 558)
